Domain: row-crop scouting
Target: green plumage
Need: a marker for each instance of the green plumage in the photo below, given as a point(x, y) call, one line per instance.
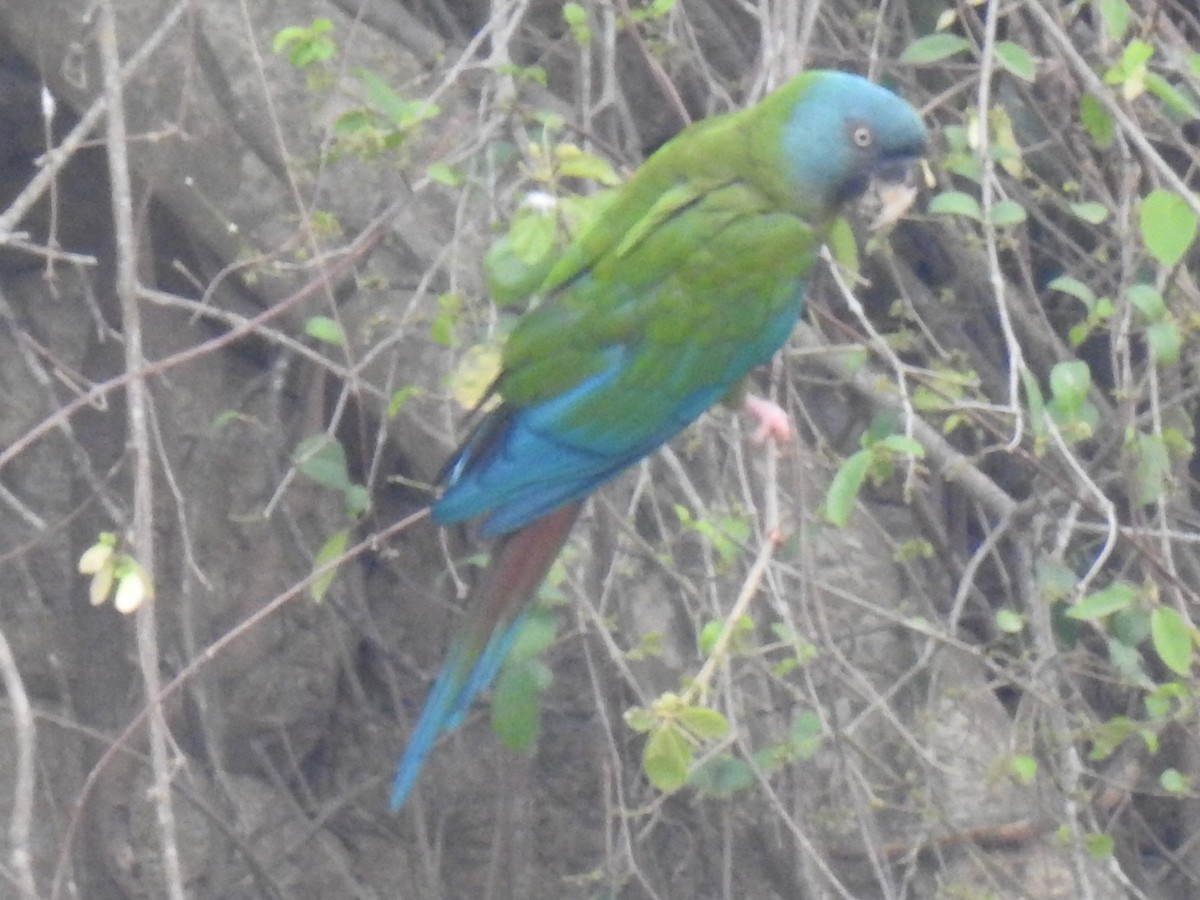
point(692, 275)
point(704, 245)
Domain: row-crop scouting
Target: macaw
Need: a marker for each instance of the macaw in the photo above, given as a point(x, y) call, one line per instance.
point(692, 275)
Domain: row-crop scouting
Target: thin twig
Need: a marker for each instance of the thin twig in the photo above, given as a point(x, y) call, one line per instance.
point(20, 824)
point(139, 436)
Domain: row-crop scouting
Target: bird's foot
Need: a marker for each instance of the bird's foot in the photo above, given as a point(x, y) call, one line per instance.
point(772, 421)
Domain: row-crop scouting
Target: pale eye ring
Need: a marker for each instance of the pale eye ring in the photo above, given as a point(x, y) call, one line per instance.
point(862, 137)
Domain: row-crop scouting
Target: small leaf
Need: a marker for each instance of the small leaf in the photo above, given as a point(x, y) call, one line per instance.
point(1075, 288)
point(706, 724)
point(475, 373)
point(903, 444)
point(400, 398)
point(1016, 59)
point(1115, 14)
point(381, 97)
point(1152, 467)
point(709, 635)
point(1097, 121)
point(722, 776)
point(575, 163)
point(99, 555)
point(956, 203)
point(844, 488)
point(1174, 782)
point(843, 245)
point(1172, 639)
point(443, 174)
point(1174, 99)
point(1010, 621)
point(100, 586)
point(933, 47)
point(1148, 300)
point(334, 546)
point(1090, 211)
point(322, 459)
point(537, 634)
point(133, 589)
point(325, 329)
point(532, 233)
point(1069, 383)
point(1165, 342)
point(1105, 602)
point(1098, 846)
point(640, 719)
point(666, 758)
point(1007, 212)
point(807, 734)
point(516, 703)
point(1024, 768)
point(1168, 226)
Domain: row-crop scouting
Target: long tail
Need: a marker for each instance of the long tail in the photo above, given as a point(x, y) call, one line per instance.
point(519, 562)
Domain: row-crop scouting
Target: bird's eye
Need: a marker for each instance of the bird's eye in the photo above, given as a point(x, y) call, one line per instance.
point(862, 137)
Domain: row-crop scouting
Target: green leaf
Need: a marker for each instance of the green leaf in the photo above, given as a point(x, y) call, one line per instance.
point(667, 757)
point(956, 203)
point(1090, 211)
point(305, 44)
point(640, 719)
point(807, 734)
point(537, 633)
point(933, 47)
point(1168, 226)
point(1075, 288)
point(401, 397)
point(1097, 121)
point(325, 329)
point(1069, 383)
point(1024, 768)
point(532, 234)
point(1166, 342)
point(709, 634)
point(1174, 782)
point(1172, 639)
point(844, 488)
point(516, 704)
point(903, 444)
point(443, 174)
point(576, 163)
point(1107, 736)
point(334, 546)
point(1130, 626)
point(1010, 621)
point(322, 459)
point(706, 724)
point(1007, 212)
point(1105, 602)
point(358, 500)
point(1098, 846)
point(1174, 99)
point(1115, 15)
point(1016, 59)
point(382, 98)
point(1148, 300)
point(510, 278)
point(1152, 467)
point(722, 776)
point(843, 245)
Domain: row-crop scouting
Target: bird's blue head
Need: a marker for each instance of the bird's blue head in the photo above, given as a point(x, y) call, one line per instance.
point(843, 132)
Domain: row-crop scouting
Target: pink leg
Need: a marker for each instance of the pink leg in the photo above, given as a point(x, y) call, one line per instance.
point(773, 422)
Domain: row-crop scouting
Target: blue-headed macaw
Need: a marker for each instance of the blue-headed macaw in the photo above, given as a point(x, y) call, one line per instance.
point(693, 275)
